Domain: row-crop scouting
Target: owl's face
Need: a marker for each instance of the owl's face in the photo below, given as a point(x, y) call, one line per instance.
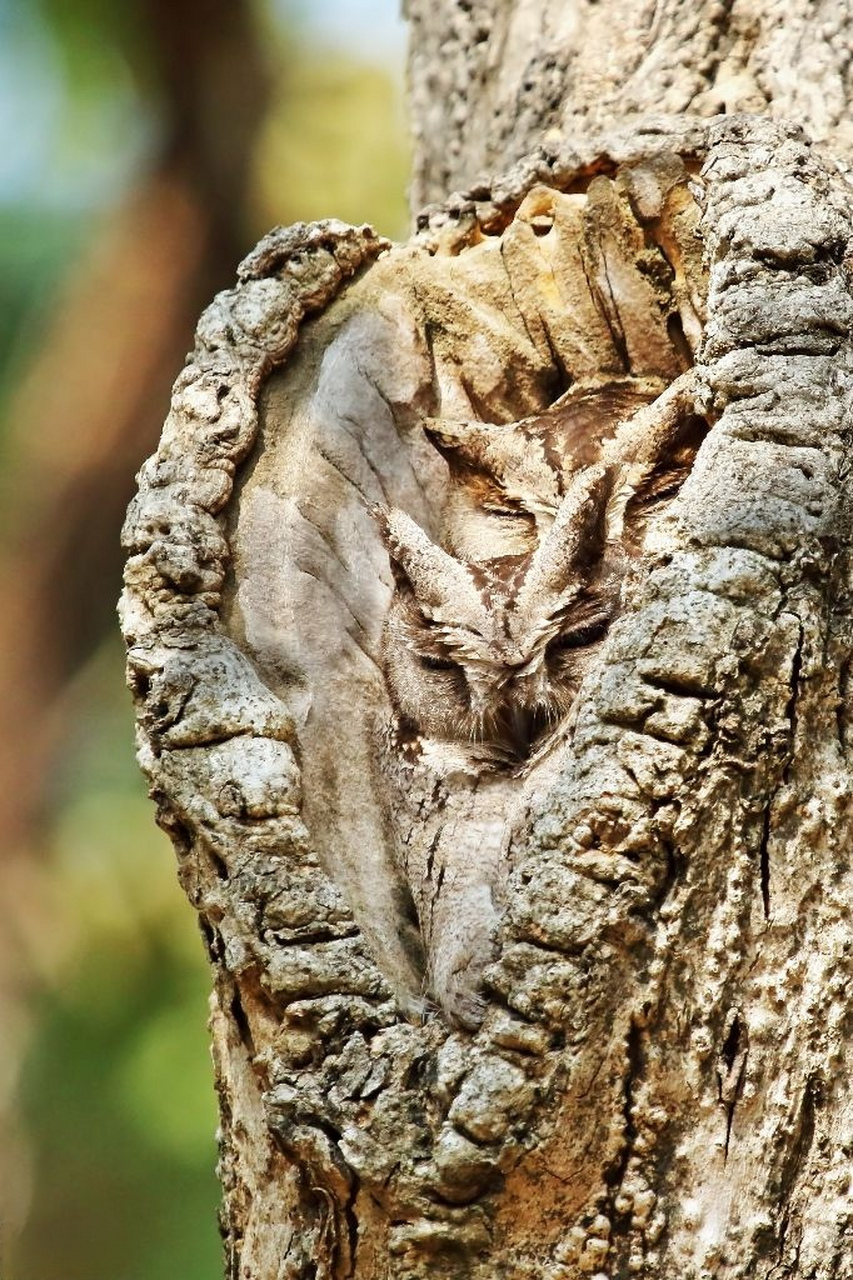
point(493, 654)
point(487, 642)
point(454, 683)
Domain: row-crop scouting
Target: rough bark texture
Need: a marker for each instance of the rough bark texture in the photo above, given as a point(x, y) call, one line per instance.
point(659, 1084)
point(492, 81)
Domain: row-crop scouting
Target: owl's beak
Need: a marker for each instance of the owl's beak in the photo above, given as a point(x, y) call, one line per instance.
point(525, 726)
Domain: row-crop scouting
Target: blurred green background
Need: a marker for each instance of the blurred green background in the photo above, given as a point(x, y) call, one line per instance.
point(144, 147)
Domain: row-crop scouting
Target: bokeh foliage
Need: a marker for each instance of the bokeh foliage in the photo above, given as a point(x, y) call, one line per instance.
point(115, 1101)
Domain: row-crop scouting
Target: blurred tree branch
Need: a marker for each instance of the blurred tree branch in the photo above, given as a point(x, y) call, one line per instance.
point(91, 404)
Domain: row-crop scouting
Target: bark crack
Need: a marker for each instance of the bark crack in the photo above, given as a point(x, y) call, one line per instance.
point(791, 709)
point(731, 1071)
point(764, 861)
point(634, 1071)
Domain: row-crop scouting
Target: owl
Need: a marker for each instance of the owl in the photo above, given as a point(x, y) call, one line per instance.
point(489, 636)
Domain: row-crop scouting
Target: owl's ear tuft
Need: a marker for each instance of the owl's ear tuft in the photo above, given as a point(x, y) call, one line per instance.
point(471, 444)
point(443, 586)
point(574, 544)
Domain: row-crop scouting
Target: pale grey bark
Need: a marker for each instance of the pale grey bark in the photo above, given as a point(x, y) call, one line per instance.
point(660, 1086)
point(491, 81)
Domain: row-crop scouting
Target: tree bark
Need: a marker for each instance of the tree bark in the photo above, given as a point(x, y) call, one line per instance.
point(656, 1083)
point(490, 81)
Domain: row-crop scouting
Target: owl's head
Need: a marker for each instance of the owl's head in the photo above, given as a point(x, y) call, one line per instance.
point(507, 479)
point(493, 653)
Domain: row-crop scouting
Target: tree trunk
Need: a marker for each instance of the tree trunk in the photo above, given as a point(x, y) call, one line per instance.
point(513, 983)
